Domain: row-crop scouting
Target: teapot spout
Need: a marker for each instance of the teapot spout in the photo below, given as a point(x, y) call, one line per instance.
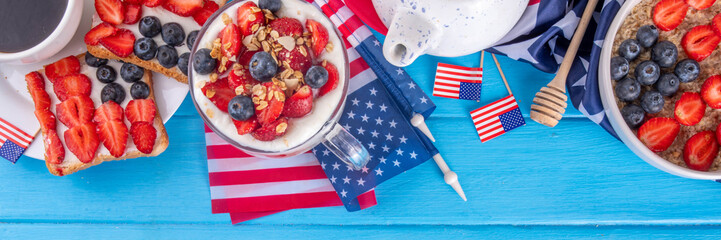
point(410, 35)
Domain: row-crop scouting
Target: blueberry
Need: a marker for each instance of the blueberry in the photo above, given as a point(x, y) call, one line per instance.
point(183, 63)
point(629, 49)
point(667, 85)
point(619, 67)
point(191, 39)
point(173, 34)
point(112, 92)
point(149, 26)
point(647, 35)
point(167, 56)
point(316, 76)
point(647, 72)
point(94, 61)
point(105, 74)
point(652, 102)
point(139, 90)
point(687, 70)
point(145, 48)
point(628, 89)
point(262, 66)
point(131, 72)
point(241, 108)
point(664, 53)
point(272, 5)
point(202, 62)
point(633, 115)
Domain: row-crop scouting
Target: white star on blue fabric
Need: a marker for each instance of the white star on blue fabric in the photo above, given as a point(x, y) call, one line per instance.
point(379, 121)
point(361, 182)
point(369, 104)
point(379, 172)
point(399, 71)
point(383, 107)
point(383, 159)
point(347, 127)
point(351, 115)
point(389, 137)
point(414, 154)
point(364, 169)
point(386, 148)
point(335, 166)
point(373, 91)
point(376, 43)
point(411, 85)
point(332, 179)
point(375, 133)
point(393, 123)
point(371, 145)
point(348, 167)
point(325, 152)
point(355, 101)
point(361, 131)
point(403, 139)
point(399, 152)
point(322, 165)
point(365, 118)
point(346, 179)
point(424, 100)
point(343, 193)
point(396, 163)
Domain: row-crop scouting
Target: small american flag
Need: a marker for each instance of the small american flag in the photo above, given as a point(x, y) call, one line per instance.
point(497, 118)
point(458, 82)
point(13, 141)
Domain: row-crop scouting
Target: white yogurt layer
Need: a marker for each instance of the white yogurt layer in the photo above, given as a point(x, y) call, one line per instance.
point(299, 129)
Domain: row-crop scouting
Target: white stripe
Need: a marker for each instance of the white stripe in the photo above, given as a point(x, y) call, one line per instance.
point(344, 13)
point(213, 139)
point(459, 70)
point(486, 136)
point(485, 115)
point(456, 83)
point(361, 34)
point(458, 77)
point(270, 189)
point(361, 79)
point(23, 136)
point(456, 88)
point(445, 94)
point(487, 122)
point(352, 55)
point(489, 107)
point(23, 144)
point(256, 163)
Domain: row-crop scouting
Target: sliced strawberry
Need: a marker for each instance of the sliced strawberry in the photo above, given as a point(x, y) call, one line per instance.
point(689, 109)
point(54, 150)
point(63, 67)
point(203, 14)
point(36, 88)
point(699, 42)
point(668, 14)
point(244, 59)
point(241, 77)
point(110, 11)
point(185, 8)
point(114, 135)
point(139, 2)
point(75, 111)
point(272, 130)
point(299, 104)
point(274, 106)
point(82, 140)
point(219, 93)
point(120, 44)
point(144, 135)
point(247, 126)
point(716, 24)
point(658, 133)
point(140, 110)
point(230, 37)
point(296, 59)
point(46, 119)
point(108, 111)
point(700, 4)
point(287, 26)
point(99, 32)
point(248, 15)
point(72, 85)
point(133, 12)
point(711, 91)
point(333, 78)
point(153, 3)
point(700, 151)
point(718, 133)
point(319, 36)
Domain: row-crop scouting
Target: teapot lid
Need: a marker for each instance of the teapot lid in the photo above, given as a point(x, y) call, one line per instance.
point(365, 10)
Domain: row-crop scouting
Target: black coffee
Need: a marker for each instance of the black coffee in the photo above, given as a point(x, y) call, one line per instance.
point(26, 23)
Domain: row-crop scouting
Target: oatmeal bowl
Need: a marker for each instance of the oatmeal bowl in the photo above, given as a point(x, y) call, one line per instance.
point(271, 78)
point(660, 85)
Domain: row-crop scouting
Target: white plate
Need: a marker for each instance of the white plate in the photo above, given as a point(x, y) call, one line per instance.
point(168, 99)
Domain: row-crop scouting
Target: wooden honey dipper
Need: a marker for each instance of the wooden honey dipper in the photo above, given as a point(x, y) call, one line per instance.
point(550, 103)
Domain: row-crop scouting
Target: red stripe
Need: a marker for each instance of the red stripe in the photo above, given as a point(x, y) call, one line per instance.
point(492, 136)
point(207, 129)
point(266, 175)
point(352, 24)
point(460, 73)
point(225, 151)
point(459, 67)
point(497, 101)
point(367, 199)
point(458, 80)
point(445, 90)
point(489, 130)
point(447, 84)
point(276, 202)
point(16, 128)
point(484, 117)
point(533, 2)
point(7, 133)
point(357, 66)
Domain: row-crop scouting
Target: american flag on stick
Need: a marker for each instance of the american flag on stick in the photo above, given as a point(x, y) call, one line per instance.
point(458, 82)
point(497, 118)
point(13, 141)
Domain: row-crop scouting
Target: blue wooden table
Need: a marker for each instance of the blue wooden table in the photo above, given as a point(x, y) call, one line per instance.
point(571, 181)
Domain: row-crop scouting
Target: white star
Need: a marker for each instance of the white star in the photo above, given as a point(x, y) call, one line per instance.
point(371, 145)
point(361, 131)
point(396, 163)
point(414, 154)
point(322, 165)
point(379, 121)
point(379, 172)
point(365, 118)
point(403, 139)
point(386, 148)
point(399, 71)
point(369, 104)
point(351, 115)
point(364, 169)
point(411, 85)
point(393, 123)
point(344, 193)
point(349, 167)
point(389, 137)
point(332, 179)
point(347, 127)
point(346, 180)
point(355, 101)
point(376, 43)
point(399, 152)
point(383, 107)
point(383, 159)
point(424, 100)
point(361, 182)
point(373, 91)
point(375, 133)
point(325, 152)
point(314, 150)
point(335, 165)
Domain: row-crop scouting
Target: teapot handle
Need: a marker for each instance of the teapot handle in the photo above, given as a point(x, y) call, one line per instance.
point(410, 35)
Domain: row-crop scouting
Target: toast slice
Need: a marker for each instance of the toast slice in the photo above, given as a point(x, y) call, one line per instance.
point(162, 12)
point(70, 163)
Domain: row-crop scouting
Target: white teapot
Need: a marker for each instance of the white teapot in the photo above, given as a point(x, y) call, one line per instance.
point(446, 28)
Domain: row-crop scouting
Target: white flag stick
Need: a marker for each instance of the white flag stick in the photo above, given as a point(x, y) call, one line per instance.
point(420, 122)
point(449, 176)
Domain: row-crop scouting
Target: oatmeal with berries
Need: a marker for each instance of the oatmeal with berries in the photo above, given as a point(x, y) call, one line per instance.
point(665, 72)
point(269, 74)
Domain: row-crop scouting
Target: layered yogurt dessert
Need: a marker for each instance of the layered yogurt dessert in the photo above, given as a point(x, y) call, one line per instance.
point(269, 74)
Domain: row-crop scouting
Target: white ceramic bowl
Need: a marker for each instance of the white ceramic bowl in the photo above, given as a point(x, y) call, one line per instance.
point(55, 42)
point(614, 114)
